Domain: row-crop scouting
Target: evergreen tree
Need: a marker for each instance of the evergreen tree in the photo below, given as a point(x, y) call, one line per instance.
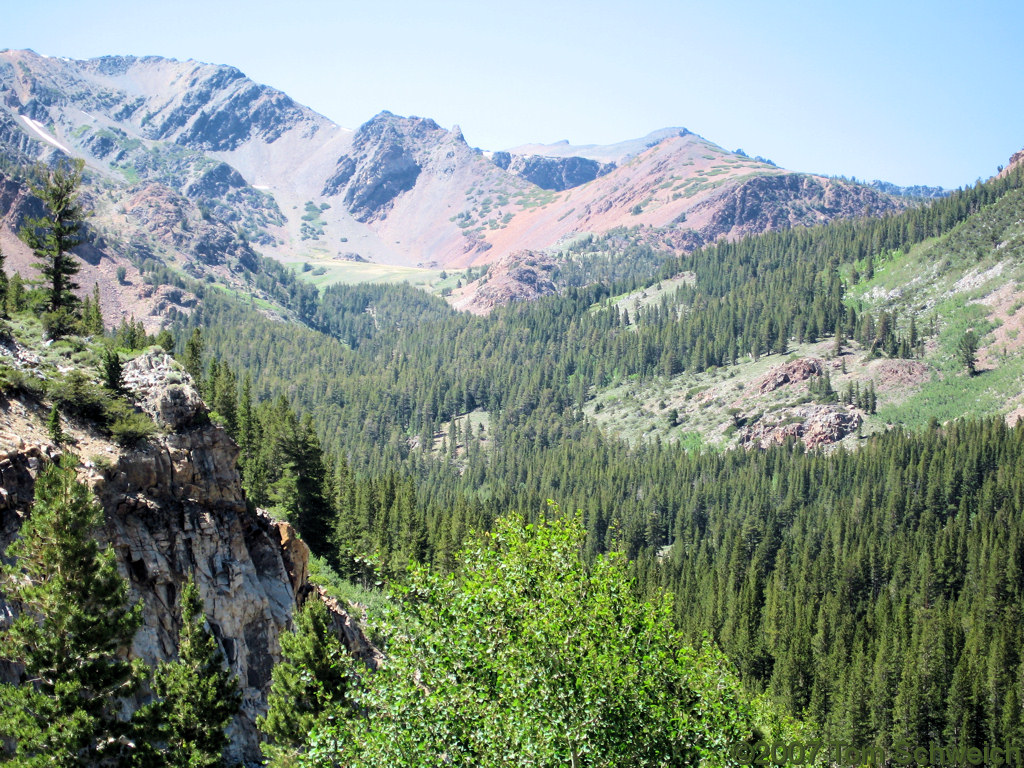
point(967, 352)
point(166, 340)
point(197, 695)
point(309, 685)
point(225, 398)
point(3, 286)
point(193, 361)
point(15, 294)
point(92, 315)
point(52, 237)
point(73, 621)
point(53, 427)
point(112, 370)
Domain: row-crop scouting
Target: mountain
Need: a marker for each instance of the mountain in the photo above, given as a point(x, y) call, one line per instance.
point(673, 306)
point(292, 185)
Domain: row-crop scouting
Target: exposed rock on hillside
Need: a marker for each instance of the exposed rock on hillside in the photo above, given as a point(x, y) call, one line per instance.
point(382, 164)
point(783, 201)
point(172, 221)
point(1016, 160)
point(815, 425)
point(915, 190)
point(212, 107)
point(174, 506)
point(519, 276)
point(790, 373)
point(555, 173)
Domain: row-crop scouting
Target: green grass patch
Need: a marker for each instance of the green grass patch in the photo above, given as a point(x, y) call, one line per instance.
point(357, 272)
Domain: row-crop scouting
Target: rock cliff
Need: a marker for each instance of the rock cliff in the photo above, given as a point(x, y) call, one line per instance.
point(554, 173)
point(790, 373)
point(175, 506)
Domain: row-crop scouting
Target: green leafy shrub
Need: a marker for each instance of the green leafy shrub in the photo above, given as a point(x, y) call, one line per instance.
point(529, 657)
point(76, 394)
point(126, 425)
point(15, 380)
point(60, 323)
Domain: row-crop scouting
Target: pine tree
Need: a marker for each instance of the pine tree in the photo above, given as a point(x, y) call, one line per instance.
point(225, 398)
point(166, 340)
point(112, 370)
point(92, 314)
point(310, 683)
point(197, 695)
point(245, 421)
point(15, 294)
point(967, 352)
point(3, 286)
point(52, 237)
point(193, 361)
point(53, 427)
point(73, 621)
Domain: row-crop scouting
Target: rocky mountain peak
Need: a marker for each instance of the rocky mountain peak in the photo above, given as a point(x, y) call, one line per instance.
point(388, 154)
point(552, 173)
point(407, 190)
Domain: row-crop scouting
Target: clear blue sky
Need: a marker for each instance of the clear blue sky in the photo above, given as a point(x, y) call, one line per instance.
point(911, 92)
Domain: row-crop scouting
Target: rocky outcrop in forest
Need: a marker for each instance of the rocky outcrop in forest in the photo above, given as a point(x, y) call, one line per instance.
point(174, 506)
point(519, 276)
point(814, 425)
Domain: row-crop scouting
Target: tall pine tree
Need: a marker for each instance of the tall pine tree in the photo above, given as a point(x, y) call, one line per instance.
point(196, 697)
point(73, 623)
point(53, 236)
point(309, 684)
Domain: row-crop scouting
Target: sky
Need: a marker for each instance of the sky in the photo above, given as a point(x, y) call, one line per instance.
point(906, 91)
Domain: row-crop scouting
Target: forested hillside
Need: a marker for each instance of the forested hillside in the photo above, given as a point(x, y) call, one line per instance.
point(875, 593)
point(870, 592)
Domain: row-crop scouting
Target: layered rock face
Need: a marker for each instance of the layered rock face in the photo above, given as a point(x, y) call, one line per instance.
point(174, 507)
point(766, 203)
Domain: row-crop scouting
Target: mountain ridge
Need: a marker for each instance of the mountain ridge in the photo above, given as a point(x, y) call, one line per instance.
point(251, 155)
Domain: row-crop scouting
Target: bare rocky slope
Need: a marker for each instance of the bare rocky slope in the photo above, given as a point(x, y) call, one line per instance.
point(519, 276)
point(399, 190)
point(174, 506)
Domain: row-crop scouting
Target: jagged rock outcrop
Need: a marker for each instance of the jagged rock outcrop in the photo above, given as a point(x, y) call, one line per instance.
point(1016, 161)
point(915, 191)
point(215, 182)
point(382, 164)
point(815, 425)
point(212, 107)
point(174, 506)
point(790, 373)
point(519, 276)
point(171, 220)
point(554, 173)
